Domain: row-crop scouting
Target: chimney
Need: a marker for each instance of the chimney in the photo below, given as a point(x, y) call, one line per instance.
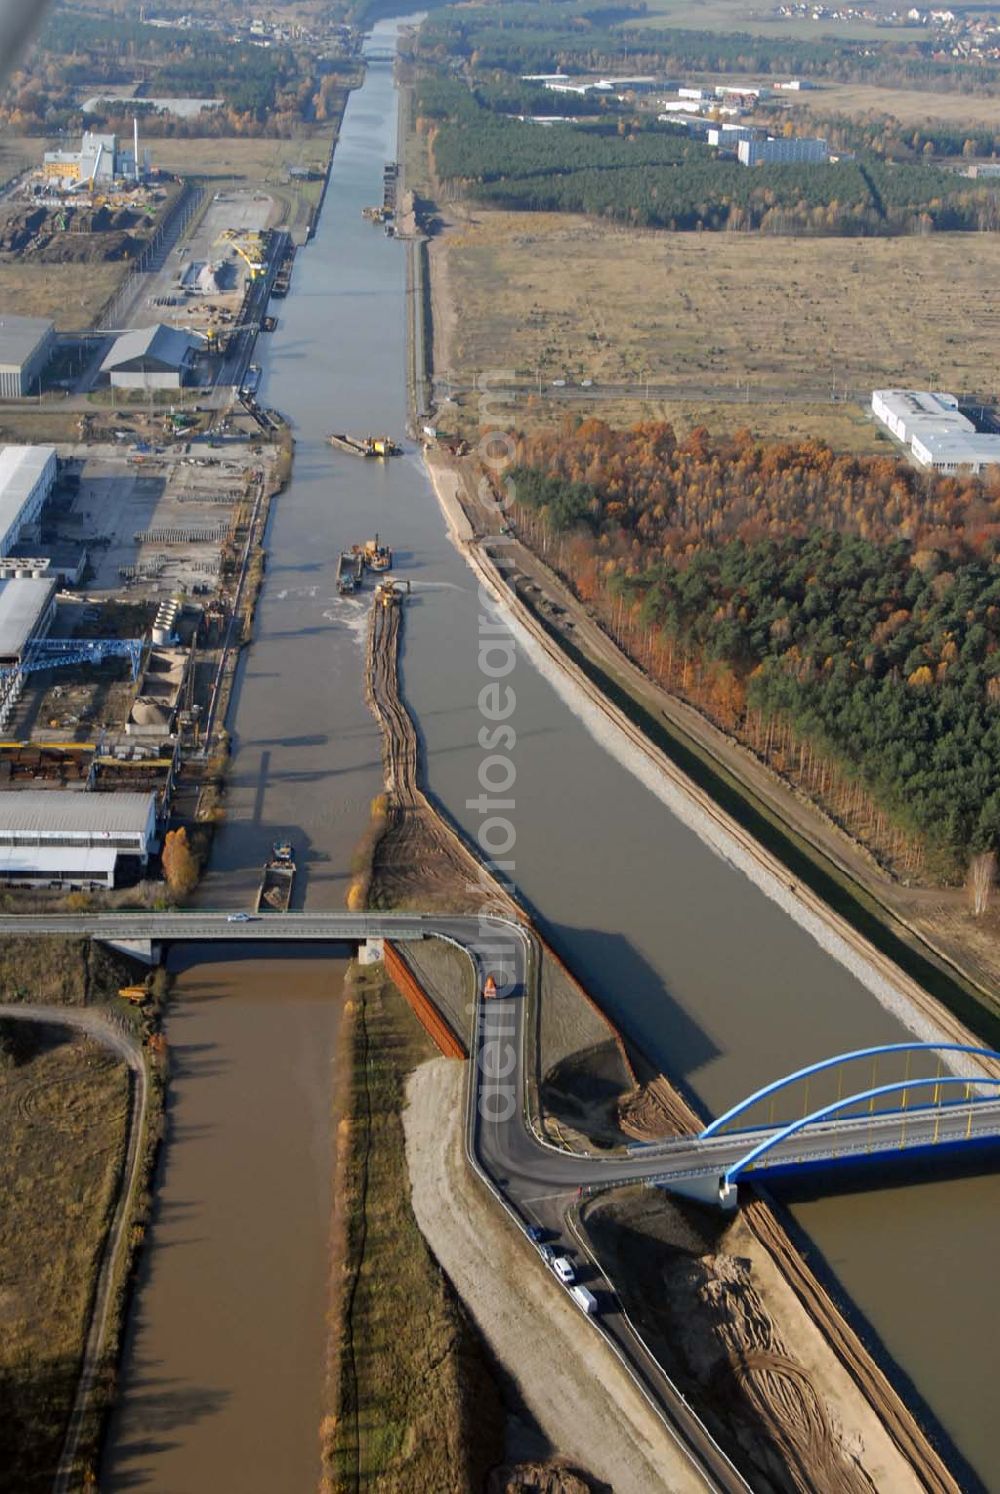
point(135, 137)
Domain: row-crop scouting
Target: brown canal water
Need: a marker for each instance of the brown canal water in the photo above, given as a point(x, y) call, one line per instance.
point(708, 975)
point(223, 1378)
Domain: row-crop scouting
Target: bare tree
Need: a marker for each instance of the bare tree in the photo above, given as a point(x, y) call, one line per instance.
point(980, 880)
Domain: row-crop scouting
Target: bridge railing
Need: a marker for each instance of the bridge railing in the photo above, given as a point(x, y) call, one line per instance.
point(938, 1108)
point(805, 1076)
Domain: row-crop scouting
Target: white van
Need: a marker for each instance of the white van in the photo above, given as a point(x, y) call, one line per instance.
point(563, 1267)
point(583, 1298)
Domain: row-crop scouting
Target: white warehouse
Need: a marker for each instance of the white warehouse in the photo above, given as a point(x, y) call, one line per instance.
point(909, 412)
point(791, 152)
point(73, 839)
point(27, 475)
point(973, 453)
point(933, 427)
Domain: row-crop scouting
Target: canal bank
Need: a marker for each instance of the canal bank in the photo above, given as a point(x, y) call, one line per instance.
point(705, 973)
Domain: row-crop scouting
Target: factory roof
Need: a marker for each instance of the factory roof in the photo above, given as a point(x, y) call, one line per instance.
point(164, 344)
point(925, 411)
point(957, 449)
point(23, 602)
point(57, 861)
point(20, 469)
point(40, 812)
point(19, 337)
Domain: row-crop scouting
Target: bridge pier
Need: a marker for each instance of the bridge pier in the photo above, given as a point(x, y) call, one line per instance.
point(146, 950)
point(371, 952)
point(711, 1189)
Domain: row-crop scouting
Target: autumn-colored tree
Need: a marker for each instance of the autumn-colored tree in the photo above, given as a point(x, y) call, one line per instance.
point(180, 865)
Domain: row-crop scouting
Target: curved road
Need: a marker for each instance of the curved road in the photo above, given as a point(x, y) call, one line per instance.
point(94, 1025)
point(536, 1182)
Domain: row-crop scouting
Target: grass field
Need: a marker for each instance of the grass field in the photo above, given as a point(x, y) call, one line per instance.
point(17, 152)
point(71, 295)
point(63, 1114)
point(255, 163)
point(744, 15)
point(908, 105)
point(416, 1408)
point(845, 427)
point(559, 297)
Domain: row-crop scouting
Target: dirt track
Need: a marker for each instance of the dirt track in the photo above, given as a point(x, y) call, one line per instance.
point(419, 857)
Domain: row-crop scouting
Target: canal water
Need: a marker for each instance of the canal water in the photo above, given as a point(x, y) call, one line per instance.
point(223, 1375)
point(708, 976)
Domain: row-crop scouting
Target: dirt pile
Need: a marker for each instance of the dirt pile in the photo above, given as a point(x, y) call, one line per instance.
point(732, 1347)
point(582, 1093)
point(70, 235)
point(703, 1293)
point(19, 228)
point(653, 1110)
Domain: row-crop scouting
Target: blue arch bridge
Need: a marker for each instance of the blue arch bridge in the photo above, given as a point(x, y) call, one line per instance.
point(847, 1108)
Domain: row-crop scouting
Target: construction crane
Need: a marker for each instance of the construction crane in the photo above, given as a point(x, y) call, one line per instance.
point(57, 653)
point(249, 246)
point(217, 339)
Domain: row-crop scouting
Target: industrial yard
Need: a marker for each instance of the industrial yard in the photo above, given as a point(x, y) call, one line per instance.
point(122, 593)
point(155, 523)
point(130, 304)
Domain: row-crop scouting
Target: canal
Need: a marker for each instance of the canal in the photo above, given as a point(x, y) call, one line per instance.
point(709, 977)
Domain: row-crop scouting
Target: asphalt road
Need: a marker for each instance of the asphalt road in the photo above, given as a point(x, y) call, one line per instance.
point(536, 1182)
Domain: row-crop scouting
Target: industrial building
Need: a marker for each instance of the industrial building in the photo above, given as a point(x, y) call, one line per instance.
point(27, 475)
point(948, 454)
point(27, 607)
point(158, 357)
point(796, 150)
point(728, 136)
point(53, 838)
point(938, 435)
point(909, 412)
point(26, 345)
point(696, 126)
point(100, 161)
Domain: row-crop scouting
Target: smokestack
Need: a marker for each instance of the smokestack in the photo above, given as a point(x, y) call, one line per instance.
point(135, 137)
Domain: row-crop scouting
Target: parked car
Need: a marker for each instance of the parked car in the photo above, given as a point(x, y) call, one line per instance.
point(563, 1267)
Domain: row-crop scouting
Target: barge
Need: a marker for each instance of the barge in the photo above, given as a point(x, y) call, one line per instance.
point(283, 278)
point(277, 879)
point(365, 446)
point(350, 571)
